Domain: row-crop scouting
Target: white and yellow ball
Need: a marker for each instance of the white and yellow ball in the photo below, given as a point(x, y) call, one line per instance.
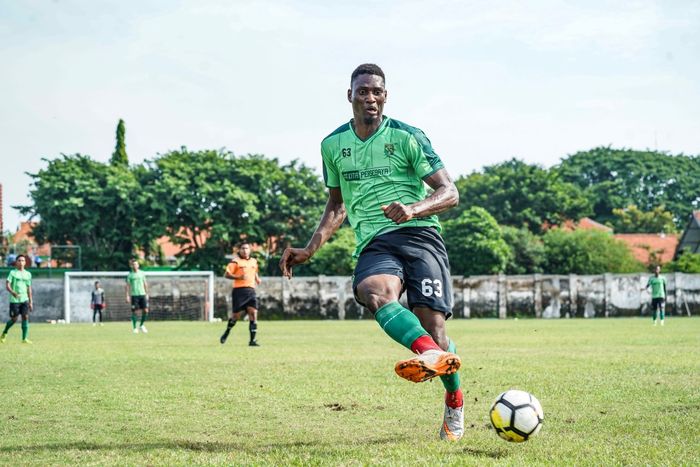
point(516, 416)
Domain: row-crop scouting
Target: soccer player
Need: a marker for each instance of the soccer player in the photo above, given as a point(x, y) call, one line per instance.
point(244, 272)
point(19, 284)
point(137, 295)
point(657, 282)
point(375, 168)
point(97, 303)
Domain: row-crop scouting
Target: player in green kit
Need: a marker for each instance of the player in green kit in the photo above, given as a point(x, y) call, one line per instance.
point(375, 168)
point(657, 282)
point(137, 296)
point(19, 284)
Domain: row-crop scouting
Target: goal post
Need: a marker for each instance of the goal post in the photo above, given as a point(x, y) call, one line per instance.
point(173, 295)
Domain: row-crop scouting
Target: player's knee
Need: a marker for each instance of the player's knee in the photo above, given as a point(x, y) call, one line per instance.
point(374, 301)
point(374, 294)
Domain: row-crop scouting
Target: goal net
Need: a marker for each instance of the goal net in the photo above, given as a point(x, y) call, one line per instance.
point(172, 295)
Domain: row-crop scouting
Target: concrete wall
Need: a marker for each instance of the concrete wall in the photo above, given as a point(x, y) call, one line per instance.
point(48, 300)
point(330, 297)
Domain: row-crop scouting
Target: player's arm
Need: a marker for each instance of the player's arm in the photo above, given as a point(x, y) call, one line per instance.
point(332, 219)
point(145, 285)
point(128, 292)
point(31, 298)
point(9, 289)
point(444, 197)
point(230, 273)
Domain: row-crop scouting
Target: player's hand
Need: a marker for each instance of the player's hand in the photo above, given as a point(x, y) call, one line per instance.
point(92, 307)
point(291, 257)
point(31, 306)
point(15, 294)
point(398, 212)
point(127, 299)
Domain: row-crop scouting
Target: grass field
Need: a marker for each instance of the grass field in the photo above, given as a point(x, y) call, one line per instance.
point(614, 392)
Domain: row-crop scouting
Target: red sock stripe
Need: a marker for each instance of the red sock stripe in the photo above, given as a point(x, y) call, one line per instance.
point(424, 343)
point(454, 399)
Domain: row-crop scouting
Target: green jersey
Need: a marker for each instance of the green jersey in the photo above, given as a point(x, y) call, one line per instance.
point(137, 283)
point(20, 281)
point(389, 166)
point(658, 286)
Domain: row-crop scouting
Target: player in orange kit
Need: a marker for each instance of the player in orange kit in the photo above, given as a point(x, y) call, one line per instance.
point(244, 272)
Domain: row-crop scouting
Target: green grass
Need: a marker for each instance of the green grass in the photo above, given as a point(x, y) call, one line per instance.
point(614, 392)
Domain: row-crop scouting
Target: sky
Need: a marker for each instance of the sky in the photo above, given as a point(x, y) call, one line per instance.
point(486, 80)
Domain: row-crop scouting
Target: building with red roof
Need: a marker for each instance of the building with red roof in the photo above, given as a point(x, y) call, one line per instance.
point(650, 246)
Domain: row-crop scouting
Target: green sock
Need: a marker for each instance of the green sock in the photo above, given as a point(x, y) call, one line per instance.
point(451, 382)
point(401, 325)
point(133, 320)
point(25, 329)
point(662, 314)
point(143, 317)
point(9, 324)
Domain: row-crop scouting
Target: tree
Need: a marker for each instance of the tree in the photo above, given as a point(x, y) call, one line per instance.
point(119, 157)
point(522, 195)
point(210, 200)
point(335, 257)
point(474, 243)
point(687, 262)
point(633, 220)
point(97, 206)
point(526, 251)
point(204, 211)
point(290, 199)
point(587, 252)
point(613, 178)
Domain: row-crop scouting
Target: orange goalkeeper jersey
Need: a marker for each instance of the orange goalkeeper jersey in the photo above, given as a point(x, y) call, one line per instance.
point(247, 267)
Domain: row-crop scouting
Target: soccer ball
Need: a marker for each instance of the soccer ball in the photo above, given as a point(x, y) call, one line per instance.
point(516, 416)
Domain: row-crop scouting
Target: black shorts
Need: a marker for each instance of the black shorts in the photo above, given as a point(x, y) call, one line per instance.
point(242, 298)
point(417, 255)
point(17, 309)
point(657, 303)
point(100, 306)
point(139, 302)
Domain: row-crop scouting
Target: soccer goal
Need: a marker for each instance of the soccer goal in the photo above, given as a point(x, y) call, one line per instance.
point(172, 295)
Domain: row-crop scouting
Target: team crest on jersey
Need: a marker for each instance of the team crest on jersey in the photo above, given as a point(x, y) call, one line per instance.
point(389, 149)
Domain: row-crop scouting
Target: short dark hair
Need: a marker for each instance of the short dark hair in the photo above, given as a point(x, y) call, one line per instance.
point(367, 69)
point(26, 258)
point(244, 242)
